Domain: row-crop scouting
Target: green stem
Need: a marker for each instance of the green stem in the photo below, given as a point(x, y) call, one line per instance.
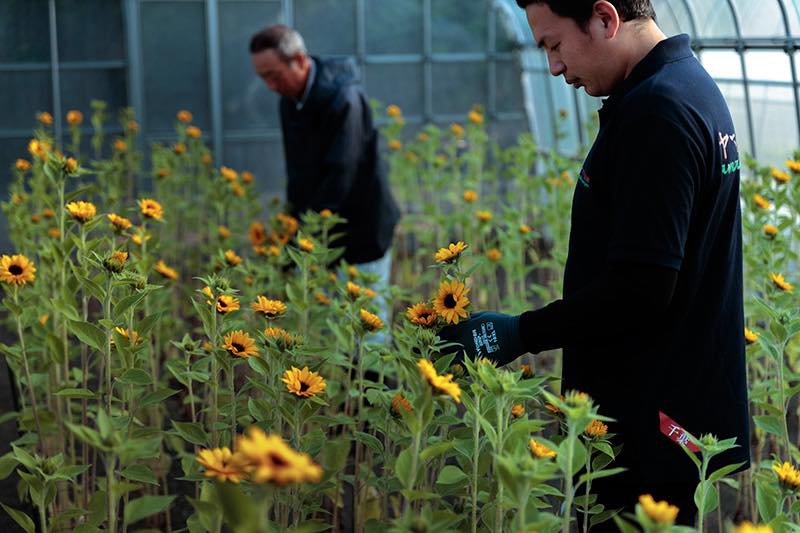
point(110, 499)
point(27, 370)
point(476, 436)
point(568, 479)
point(498, 516)
point(43, 516)
point(588, 488)
point(782, 400)
point(232, 385)
point(702, 504)
point(414, 462)
point(214, 373)
point(107, 344)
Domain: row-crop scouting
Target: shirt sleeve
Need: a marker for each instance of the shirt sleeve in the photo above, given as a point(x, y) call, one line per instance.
point(652, 190)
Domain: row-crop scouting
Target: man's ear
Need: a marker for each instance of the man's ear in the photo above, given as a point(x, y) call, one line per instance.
point(301, 60)
point(605, 18)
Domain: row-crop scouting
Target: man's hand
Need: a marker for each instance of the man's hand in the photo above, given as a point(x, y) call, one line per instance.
point(487, 334)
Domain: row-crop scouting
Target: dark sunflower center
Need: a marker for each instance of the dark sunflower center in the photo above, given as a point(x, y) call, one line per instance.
point(277, 460)
point(222, 303)
point(304, 386)
point(237, 347)
point(450, 301)
point(15, 270)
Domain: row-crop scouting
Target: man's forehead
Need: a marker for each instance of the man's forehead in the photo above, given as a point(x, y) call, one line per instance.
point(543, 22)
point(267, 59)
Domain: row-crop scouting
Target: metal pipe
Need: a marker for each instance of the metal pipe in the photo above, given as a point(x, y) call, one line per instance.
point(214, 77)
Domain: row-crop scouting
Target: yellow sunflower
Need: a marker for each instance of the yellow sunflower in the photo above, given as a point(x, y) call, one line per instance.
point(780, 176)
point(116, 261)
point(237, 190)
point(749, 527)
point(371, 322)
point(151, 209)
point(120, 145)
point(484, 216)
point(16, 270)
point(399, 404)
point(221, 464)
point(45, 118)
point(166, 271)
point(227, 304)
point(232, 258)
point(761, 202)
point(179, 148)
point(393, 111)
point(395, 145)
point(269, 308)
point(118, 222)
point(457, 130)
point(518, 410)
point(269, 459)
point(74, 117)
point(23, 165)
point(132, 336)
point(540, 450)
point(353, 290)
point(282, 338)
point(494, 255)
point(661, 512)
point(524, 229)
point(257, 233)
point(228, 174)
point(788, 475)
point(82, 211)
point(793, 165)
point(750, 337)
point(240, 344)
point(782, 284)
point(322, 298)
point(223, 232)
point(443, 384)
point(451, 253)
point(770, 230)
point(451, 303)
point(596, 429)
point(303, 383)
point(194, 132)
point(247, 176)
point(306, 245)
point(422, 314)
point(184, 116)
point(475, 117)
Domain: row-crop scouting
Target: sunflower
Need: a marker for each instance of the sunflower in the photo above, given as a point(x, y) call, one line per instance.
point(240, 344)
point(151, 209)
point(82, 211)
point(540, 450)
point(237, 190)
point(484, 216)
point(451, 253)
point(422, 314)
point(282, 338)
point(269, 459)
point(321, 298)
point(494, 255)
point(306, 245)
point(750, 337)
point(220, 464)
point(232, 259)
point(400, 404)
point(369, 321)
point(577, 399)
point(162, 173)
point(269, 308)
point(353, 290)
point(228, 174)
point(596, 429)
point(761, 202)
point(179, 148)
point(457, 129)
point(140, 236)
point(227, 304)
point(207, 159)
point(524, 229)
point(120, 145)
point(770, 230)
point(247, 176)
point(45, 118)
point(48, 213)
point(369, 293)
point(194, 132)
point(116, 261)
point(74, 117)
point(518, 410)
point(780, 176)
point(23, 165)
point(17, 270)
point(326, 213)
point(54, 232)
point(661, 512)
point(289, 224)
point(132, 336)
point(119, 223)
point(788, 475)
point(781, 283)
point(207, 291)
point(132, 125)
point(749, 527)
point(303, 383)
point(162, 268)
point(443, 384)
point(451, 302)
point(71, 165)
point(184, 116)
point(223, 232)
point(36, 218)
point(393, 111)
point(793, 165)
point(475, 117)
point(257, 233)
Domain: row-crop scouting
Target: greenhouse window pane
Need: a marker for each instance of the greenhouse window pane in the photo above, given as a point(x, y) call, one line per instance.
point(400, 84)
point(175, 70)
point(734, 96)
point(564, 100)
point(315, 19)
point(506, 132)
point(246, 100)
point(774, 123)
point(673, 18)
point(80, 87)
point(394, 27)
point(458, 86)
point(543, 110)
point(24, 94)
point(459, 26)
point(722, 64)
point(264, 158)
point(760, 19)
point(28, 40)
point(713, 18)
point(79, 41)
point(768, 66)
point(509, 87)
point(505, 38)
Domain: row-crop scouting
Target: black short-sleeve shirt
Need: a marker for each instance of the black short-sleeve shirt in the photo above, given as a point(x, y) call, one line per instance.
point(660, 187)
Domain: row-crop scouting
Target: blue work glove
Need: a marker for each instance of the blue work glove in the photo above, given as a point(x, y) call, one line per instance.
point(486, 334)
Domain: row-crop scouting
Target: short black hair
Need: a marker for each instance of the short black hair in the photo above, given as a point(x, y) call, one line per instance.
point(581, 10)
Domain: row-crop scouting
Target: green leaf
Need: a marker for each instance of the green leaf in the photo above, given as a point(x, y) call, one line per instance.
point(770, 423)
point(192, 432)
point(126, 303)
point(20, 518)
point(76, 393)
point(146, 506)
point(370, 441)
point(135, 376)
point(157, 397)
point(435, 450)
point(451, 475)
point(600, 474)
point(141, 473)
point(88, 333)
point(7, 465)
point(724, 471)
point(402, 468)
point(711, 497)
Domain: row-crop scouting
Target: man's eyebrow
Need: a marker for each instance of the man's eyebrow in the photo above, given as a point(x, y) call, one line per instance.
point(540, 43)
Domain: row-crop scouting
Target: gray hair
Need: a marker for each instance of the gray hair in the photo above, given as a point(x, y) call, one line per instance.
point(286, 41)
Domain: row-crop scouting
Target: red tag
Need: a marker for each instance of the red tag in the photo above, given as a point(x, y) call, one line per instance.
point(676, 433)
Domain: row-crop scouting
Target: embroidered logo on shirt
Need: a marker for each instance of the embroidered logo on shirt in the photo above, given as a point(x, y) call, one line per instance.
point(485, 339)
point(733, 166)
point(584, 178)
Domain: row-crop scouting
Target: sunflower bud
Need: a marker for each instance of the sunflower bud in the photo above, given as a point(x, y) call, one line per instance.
point(116, 261)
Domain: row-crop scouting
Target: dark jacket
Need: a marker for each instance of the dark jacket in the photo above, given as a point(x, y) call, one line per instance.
point(333, 162)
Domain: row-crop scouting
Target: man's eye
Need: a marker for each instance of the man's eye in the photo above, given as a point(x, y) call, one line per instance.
point(556, 47)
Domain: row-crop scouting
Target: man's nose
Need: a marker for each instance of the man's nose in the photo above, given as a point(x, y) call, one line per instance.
point(557, 67)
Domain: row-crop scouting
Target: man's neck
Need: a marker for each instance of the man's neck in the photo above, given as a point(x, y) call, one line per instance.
point(644, 37)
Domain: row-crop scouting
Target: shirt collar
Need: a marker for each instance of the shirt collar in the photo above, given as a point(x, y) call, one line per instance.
point(667, 51)
point(312, 75)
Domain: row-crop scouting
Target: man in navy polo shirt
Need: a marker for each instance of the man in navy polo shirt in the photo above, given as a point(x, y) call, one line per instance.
point(651, 322)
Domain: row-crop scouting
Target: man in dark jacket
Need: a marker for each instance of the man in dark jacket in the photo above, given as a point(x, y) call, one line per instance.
point(651, 322)
point(331, 146)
